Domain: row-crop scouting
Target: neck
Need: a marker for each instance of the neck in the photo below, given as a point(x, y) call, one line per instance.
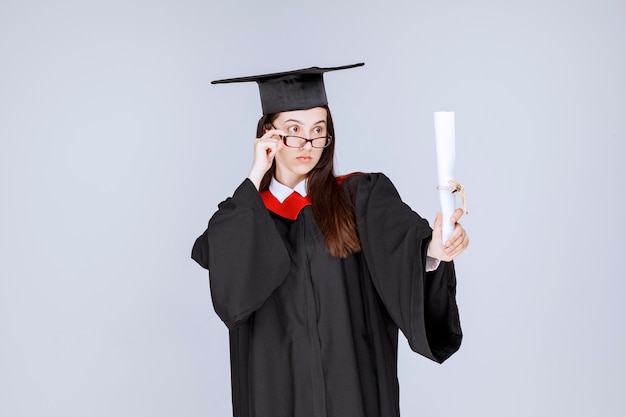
point(289, 180)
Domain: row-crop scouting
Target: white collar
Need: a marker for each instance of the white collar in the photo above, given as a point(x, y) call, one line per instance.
point(281, 191)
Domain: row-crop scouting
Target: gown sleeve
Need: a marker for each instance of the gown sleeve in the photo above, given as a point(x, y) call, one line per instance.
point(246, 257)
point(394, 240)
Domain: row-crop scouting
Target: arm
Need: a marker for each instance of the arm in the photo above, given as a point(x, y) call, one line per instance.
point(395, 241)
point(241, 248)
point(246, 257)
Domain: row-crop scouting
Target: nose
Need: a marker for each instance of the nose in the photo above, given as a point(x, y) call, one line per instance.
point(308, 145)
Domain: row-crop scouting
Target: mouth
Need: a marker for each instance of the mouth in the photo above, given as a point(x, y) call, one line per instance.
point(304, 158)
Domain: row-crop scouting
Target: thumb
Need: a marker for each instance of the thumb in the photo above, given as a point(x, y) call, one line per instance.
point(438, 223)
point(434, 247)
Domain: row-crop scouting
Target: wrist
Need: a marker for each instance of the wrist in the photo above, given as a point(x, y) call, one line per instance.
point(430, 252)
point(256, 179)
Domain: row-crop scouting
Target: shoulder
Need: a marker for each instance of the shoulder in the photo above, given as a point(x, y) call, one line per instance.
point(367, 183)
point(340, 179)
point(362, 178)
point(375, 197)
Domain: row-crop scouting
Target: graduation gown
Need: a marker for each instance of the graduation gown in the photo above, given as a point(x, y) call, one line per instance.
point(312, 335)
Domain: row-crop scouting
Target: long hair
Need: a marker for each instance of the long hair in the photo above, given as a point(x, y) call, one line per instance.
point(332, 207)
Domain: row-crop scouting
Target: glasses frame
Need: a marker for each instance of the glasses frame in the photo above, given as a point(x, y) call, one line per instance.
point(284, 138)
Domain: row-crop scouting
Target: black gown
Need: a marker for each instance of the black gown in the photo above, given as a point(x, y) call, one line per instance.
point(312, 335)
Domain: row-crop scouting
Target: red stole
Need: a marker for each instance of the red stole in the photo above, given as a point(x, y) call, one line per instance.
point(292, 205)
point(290, 208)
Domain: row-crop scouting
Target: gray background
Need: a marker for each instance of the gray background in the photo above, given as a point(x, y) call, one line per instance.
point(115, 150)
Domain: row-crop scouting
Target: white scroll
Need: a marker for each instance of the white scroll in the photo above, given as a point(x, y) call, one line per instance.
point(446, 159)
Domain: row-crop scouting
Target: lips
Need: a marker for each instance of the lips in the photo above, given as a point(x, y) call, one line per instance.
point(304, 158)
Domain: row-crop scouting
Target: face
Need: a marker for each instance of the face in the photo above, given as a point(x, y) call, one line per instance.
point(294, 164)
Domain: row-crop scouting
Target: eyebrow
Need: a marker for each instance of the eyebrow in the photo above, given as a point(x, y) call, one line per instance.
point(299, 122)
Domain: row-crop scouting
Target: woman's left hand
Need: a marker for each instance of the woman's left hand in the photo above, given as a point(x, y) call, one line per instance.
point(457, 243)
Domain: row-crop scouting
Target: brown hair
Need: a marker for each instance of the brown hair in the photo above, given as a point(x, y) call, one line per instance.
point(332, 207)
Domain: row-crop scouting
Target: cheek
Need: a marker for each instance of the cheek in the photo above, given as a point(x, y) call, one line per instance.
point(282, 153)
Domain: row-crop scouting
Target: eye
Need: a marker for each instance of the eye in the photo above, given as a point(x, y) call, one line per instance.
point(318, 130)
point(293, 129)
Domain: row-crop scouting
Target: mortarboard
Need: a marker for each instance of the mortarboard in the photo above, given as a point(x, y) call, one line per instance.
point(291, 90)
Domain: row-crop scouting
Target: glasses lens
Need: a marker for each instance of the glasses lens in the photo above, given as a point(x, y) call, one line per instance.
point(320, 142)
point(294, 141)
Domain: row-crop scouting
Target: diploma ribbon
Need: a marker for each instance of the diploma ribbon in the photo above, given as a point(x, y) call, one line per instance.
point(455, 187)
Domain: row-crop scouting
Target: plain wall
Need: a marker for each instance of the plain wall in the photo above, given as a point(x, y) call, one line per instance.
point(115, 150)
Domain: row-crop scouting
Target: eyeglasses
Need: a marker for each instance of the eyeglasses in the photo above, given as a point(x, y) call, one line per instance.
point(300, 142)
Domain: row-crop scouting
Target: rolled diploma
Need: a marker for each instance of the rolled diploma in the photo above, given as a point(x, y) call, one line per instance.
point(444, 134)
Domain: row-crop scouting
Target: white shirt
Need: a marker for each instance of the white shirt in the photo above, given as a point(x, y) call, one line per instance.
point(281, 192)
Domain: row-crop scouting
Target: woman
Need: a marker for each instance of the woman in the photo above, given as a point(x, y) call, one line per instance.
point(314, 274)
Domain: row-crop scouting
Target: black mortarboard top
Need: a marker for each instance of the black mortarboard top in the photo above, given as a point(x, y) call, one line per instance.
point(291, 90)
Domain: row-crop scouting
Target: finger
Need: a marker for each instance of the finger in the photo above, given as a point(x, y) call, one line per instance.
point(458, 213)
point(271, 151)
point(455, 245)
point(457, 234)
point(459, 245)
point(460, 248)
point(265, 150)
point(267, 145)
point(273, 133)
point(270, 148)
point(268, 140)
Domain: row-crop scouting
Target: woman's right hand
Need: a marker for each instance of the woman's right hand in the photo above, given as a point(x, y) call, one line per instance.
point(265, 149)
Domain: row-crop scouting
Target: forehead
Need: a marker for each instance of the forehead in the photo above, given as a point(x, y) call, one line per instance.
point(306, 117)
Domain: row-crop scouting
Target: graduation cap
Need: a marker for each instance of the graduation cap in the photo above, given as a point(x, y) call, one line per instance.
point(291, 90)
